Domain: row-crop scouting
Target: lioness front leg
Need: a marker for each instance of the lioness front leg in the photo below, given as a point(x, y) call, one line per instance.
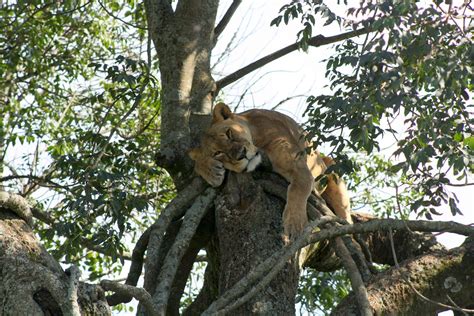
point(301, 185)
point(294, 216)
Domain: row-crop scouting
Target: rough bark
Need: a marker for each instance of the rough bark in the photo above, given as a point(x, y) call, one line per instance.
point(31, 281)
point(410, 244)
point(183, 39)
point(249, 228)
point(439, 276)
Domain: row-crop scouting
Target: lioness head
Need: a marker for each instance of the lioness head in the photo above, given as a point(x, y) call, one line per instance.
point(229, 141)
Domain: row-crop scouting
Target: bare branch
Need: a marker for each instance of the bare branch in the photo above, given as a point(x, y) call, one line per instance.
point(358, 285)
point(139, 293)
point(226, 18)
point(168, 271)
point(315, 41)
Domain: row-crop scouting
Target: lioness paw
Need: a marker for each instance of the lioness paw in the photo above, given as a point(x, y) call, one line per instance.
point(294, 222)
point(213, 172)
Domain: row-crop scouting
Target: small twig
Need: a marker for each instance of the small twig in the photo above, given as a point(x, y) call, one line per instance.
point(138, 293)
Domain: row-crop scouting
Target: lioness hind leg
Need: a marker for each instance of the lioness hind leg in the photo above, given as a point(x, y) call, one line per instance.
point(336, 195)
point(337, 198)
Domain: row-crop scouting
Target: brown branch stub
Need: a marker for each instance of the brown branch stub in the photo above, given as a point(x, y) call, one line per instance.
point(231, 299)
point(127, 290)
point(315, 41)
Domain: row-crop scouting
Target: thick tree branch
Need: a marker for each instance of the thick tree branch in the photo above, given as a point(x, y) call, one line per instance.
point(224, 303)
point(174, 210)
point(158, 13)
point(226, 18)
point(270, 267)
point(440, 276)
point(357, 272)
point(32, 275)
point(315, 41)
point(168, 271)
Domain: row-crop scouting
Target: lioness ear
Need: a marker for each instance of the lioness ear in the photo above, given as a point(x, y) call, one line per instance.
point(221, 112)
point(194, 153)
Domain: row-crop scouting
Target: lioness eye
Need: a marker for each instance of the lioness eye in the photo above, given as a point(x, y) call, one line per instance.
point(229, 133)
point(217, 153)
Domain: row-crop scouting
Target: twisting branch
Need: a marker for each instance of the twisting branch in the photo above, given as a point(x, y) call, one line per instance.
point(226, 18)
point(270, 267)
point(315, 205)
point(168, 271)
point(127, 290)
point(224, 303)
point(175, 209)
point(315, 41)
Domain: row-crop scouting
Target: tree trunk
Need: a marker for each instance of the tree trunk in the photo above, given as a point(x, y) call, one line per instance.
point(249, 228)
point(31, 281)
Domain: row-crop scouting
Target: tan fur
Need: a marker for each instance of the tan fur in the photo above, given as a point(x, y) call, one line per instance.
point(233, 140)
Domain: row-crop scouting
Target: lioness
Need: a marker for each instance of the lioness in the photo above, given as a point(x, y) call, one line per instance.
point(233, 142)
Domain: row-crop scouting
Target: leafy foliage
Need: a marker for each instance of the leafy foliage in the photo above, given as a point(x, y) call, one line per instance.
point(399, 115)
point(320, 292)
point(411, 78)
point(79, 101)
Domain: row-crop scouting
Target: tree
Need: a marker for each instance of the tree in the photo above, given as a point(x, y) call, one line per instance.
point(80, 91)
